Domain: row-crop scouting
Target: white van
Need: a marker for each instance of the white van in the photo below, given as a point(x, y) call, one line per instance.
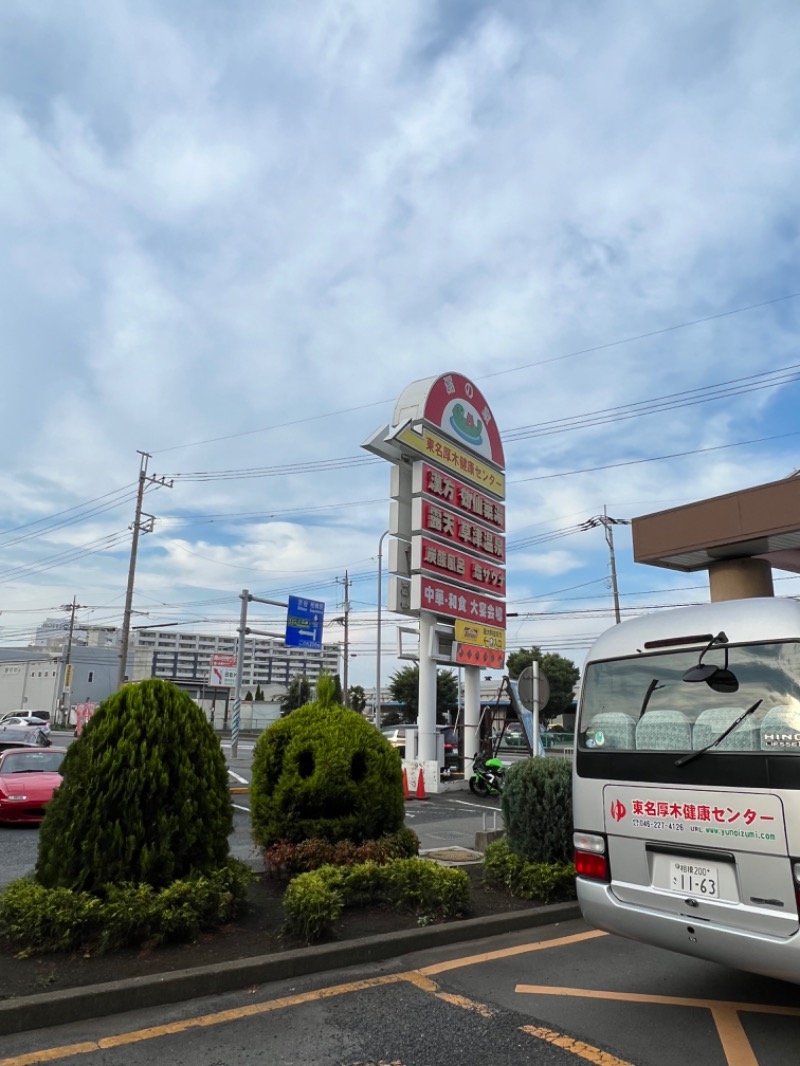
point(686, 788)
point(43, 715)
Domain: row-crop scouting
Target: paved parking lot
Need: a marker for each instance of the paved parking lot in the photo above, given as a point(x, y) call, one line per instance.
point(560, 995)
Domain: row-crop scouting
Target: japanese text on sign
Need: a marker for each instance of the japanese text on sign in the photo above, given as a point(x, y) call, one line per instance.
point(753, 821)
point(459, 460)
point(459, 495)
point(427, 594)
point(460, 567)
point(698, 813)
point(447, 525)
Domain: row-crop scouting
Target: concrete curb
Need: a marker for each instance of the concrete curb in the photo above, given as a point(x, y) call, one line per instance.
point(116, 997)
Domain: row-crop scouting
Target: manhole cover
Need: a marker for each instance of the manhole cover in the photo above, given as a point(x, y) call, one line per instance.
point(454, 855)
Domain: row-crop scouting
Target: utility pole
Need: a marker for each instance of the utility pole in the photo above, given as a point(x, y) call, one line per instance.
point(66, 679)
point(346, 623)
point(137, 527)
point(608, 523)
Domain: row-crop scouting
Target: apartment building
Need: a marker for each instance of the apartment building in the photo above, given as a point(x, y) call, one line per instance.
point(186, 657)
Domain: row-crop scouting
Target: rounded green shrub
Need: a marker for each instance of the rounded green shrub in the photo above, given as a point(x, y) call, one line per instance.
point(324, 772)
point(314, 901)
point(544, 882)
point(145, 796)
point(59, 919)
point(537, 808)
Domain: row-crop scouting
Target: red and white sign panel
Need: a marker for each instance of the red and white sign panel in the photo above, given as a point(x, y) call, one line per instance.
point(427, 554)
point(223, 669)
point(458, 495)
point(222, 659)
point(471, 655)
point(83, 712)
point(459, 409)
point(439, 597)
point(456, 529)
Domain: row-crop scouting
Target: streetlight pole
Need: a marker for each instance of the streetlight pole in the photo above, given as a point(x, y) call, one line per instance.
point(378, 641)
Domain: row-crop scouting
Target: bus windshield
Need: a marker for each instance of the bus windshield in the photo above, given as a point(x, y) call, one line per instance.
point(646, 703)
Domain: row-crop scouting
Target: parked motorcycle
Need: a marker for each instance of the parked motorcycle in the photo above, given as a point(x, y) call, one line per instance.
point(487, 776)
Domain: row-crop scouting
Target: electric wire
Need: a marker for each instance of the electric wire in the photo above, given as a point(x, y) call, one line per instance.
point(510, 370)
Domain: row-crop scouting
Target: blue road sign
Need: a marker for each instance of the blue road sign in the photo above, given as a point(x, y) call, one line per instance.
point(304, 623)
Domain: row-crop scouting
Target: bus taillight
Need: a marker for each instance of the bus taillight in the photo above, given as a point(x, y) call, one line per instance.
point(796, 873)
point(591, 857)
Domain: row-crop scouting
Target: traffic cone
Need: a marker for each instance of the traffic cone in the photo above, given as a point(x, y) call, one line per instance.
point(420, 793)
point(406, 793)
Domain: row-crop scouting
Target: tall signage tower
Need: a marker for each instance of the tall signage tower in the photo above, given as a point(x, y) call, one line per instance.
point(447, 522)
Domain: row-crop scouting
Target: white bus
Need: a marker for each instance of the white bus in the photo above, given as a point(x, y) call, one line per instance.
point(687, 783)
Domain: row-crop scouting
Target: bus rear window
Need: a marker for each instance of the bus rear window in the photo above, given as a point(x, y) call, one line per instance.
point(645, 703)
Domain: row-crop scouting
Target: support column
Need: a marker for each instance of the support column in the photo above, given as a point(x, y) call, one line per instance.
point(472, 715)
point(739, 579)
point(426, 721)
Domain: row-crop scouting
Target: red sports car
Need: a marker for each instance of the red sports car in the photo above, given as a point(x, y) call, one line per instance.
point(28, 779)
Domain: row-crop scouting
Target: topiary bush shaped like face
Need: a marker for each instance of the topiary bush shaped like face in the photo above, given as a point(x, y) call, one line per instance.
point(324, 772)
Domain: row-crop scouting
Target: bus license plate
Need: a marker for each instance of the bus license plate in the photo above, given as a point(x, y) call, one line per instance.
point(694, 878)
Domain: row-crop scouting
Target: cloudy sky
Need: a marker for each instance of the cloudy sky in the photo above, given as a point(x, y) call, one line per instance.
point(232, 232)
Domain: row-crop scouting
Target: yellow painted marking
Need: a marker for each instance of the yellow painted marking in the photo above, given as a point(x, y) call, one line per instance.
point(670, 1001)
point(416, 978)
point(239, 791)
point(419, 978)
point(577, 1047)
point(733, 1038)
point(467, 1004)
point(725, 1014)
point(507, 953)
point(218, 1018)
point(735, 1044)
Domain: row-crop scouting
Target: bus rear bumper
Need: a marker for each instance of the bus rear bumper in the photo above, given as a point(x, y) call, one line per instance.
point(743, 950)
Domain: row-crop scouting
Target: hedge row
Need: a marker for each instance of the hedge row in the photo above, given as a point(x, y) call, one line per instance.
point(122, 915)
point(285, 860)
point(314, 901)
point(544, 882)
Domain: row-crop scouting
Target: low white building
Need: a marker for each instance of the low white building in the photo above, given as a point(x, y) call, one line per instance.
point(32, 678)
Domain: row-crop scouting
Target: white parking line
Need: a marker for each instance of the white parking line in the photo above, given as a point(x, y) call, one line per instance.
point(479, 806)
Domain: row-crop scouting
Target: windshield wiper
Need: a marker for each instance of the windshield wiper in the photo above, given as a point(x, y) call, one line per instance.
point(651, 688)
point(701, 751)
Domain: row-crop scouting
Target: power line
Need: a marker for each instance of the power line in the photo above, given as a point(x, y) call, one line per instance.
point(638, 409)
point(655, 458)
point(58, 514)
point(69, 555)
point(643, 408)
point(644, 336)
point(498, 373)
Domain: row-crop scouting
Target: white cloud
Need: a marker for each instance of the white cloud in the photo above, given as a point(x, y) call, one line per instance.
point(212, 225)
